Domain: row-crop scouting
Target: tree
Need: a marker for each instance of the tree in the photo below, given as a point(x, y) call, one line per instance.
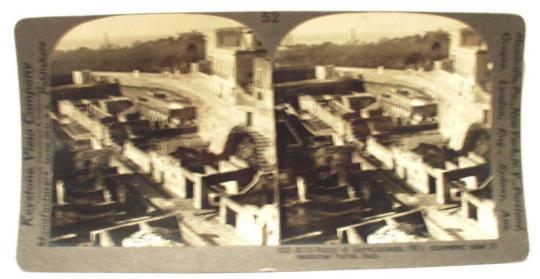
point(415, 59)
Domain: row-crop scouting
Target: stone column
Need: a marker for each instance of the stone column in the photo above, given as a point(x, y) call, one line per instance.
point(302, 189)
point(443, 189)
point(60, 190)
point(464, 205)
point(223, 210)
point(200, 193)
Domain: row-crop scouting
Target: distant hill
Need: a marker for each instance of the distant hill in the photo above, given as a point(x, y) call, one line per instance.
point(396, 53)
point(150, 56)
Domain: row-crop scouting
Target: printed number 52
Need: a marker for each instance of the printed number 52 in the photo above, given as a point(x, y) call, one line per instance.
point(270, 17)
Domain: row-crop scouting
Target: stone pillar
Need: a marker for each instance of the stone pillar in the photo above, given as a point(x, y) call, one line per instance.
point(353, 237)
point(269, 216)
point(200, 193)
point(105, 240)
point(107, 196)
point(223, 211)
point(442, 189)
point(464, 205)
point(302, 189)
point(60, 192)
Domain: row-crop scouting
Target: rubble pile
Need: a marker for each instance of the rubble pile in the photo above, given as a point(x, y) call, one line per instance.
point(152, 237)
point(394, 233)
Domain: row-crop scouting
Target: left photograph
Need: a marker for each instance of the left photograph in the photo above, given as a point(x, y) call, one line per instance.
point(164, 134)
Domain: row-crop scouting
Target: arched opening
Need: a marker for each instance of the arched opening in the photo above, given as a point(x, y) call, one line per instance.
point(242, 143)
point(477, 140)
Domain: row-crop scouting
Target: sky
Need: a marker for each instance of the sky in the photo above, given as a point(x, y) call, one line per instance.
point(369, 27)
point(126, 29)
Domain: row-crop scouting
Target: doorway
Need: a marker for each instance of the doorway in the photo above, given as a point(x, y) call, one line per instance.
point(230, 217)
point(473, 212)
point(249, 119)
point(189, 189)
point(432, 183)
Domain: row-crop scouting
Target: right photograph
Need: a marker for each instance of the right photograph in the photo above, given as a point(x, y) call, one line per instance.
point(383, 130)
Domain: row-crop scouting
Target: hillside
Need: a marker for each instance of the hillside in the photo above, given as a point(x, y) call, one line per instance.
point(150, 56)
point(396, 53)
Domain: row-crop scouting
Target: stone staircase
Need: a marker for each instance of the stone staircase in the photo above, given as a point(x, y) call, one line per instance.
point(261, 143)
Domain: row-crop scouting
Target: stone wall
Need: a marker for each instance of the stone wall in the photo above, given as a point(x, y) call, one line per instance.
point(257, 225)
point(457, 108)
point(382, 153)
point(138, 156)
point(486, 215)
point(411, 168)
point(95, 127)
point(338, 124)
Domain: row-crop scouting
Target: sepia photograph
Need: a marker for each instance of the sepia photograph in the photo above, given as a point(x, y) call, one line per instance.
point(164, 134)
point(270, 141)
point(383, 127)
point(180, 130)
